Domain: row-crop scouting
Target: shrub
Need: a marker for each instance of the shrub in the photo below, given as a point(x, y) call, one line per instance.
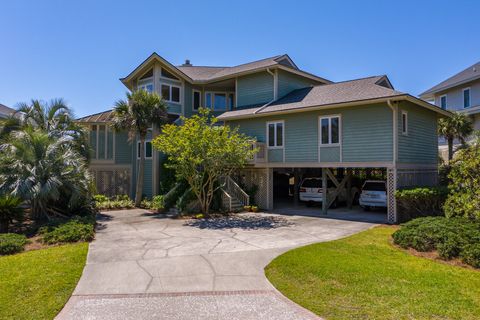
point(74, 230)
point(117, 202)
point(158, 202)
point(9, 210)
point(420, 202)
point(100, 198)
point(464, 198)
point(449, 236)
point(11, 243)
point(471, 255)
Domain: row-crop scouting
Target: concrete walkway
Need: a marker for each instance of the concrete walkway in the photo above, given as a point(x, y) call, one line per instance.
point(143, 266)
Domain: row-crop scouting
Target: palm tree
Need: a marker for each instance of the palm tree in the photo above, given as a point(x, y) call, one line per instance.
point(46, 171)
point(55, 118)
point(137, 114)
point(10, 209)
point(458, 127)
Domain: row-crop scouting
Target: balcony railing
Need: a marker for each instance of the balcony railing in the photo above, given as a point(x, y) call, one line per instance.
point(261, 156)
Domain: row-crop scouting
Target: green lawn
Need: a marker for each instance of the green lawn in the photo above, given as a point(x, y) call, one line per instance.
point(365, 277)
point(37, 284)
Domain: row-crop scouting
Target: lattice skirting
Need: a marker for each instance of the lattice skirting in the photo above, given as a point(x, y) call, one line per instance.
point(111, 182)
point(259, 178)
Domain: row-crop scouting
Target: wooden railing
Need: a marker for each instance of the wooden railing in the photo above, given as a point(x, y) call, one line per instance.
point(261, 155)
point(231, 188)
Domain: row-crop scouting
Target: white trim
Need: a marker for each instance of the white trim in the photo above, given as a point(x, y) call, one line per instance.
point(275, 122)
point(193, 99)
point(405, 132)
point(329, 117)
point(446, 102)
point(469, 98)
point(170, 92)
point(144, 149)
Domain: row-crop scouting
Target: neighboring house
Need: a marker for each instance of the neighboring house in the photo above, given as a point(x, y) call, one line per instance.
point(301, 123)
point(460, 92)
point(5, 111)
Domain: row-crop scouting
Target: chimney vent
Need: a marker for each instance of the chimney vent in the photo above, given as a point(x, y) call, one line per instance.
point(187, 63)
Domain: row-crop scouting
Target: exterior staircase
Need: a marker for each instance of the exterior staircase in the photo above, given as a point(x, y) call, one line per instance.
point(233, 196)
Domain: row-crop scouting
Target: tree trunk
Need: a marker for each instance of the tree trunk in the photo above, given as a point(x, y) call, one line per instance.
point(450, 149)
point(141, 169)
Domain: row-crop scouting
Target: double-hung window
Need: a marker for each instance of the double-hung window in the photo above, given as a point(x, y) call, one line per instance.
point(171, 93)
point(196, 103)
point(466, 98)
point(443, 102)
point(330, 130)
point(275, 134)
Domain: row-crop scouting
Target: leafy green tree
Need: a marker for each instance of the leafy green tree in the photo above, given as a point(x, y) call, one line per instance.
point(464, 197)
point(137, 114)
point(46, 171)
point(9, 210)
point(458, 127)
point(201, 151)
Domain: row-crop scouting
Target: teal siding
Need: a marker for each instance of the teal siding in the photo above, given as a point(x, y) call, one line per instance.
point(123, 148)
point(174, 108)
point(101, 142)
point(187, 99)
point(148, 179)
point(367, 134)
point(420, 145)
point(254, 89)
point(287, 82)
point(93, 143)
point(330, 154)
point(110, 144)
point(275, 155)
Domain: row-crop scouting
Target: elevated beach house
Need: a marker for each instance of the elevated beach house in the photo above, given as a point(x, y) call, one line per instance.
point(302, 124)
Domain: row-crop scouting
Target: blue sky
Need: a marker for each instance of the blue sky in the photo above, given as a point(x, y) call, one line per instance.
point(78, 50)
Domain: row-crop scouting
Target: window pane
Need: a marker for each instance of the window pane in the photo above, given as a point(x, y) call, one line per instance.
point(149, 88)
point(279, 134)
point(138, 150)
point(175, 94)
point(231, 99)
point(324, 131)
point(466, 98)
point(167, 74)
point(404, 123)
point(443, 102)
point(335, 129)
point(220, 101)
point(166, 92)
point(271, 135)
point(196, 100)
point(148, 149)
point(208, 100)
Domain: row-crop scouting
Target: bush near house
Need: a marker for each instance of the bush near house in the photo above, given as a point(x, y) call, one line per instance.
point(103, 202)
point(420, 202)
point(11, 243)
point(74, 230)
point(456, 237)
point(157, 203)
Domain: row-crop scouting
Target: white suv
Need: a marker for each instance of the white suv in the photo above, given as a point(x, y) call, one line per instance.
point(373, 195)
point(311, 191)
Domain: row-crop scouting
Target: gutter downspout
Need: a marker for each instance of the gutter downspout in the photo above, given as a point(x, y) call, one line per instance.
point(275, 91)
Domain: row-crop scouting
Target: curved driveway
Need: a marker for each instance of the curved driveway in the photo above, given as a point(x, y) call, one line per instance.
point(141, 266)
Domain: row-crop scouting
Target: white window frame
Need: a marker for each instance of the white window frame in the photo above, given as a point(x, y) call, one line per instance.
point(446, 101)
point(275, 146)
point(469, 97)
point(193, 99)
point(405, 132)
point(170, 86)
point(144, 149)
point(330, 144)
point(226, 93)
point(142, 84)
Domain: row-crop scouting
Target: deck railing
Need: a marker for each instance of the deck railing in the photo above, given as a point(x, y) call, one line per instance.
point(233, 189)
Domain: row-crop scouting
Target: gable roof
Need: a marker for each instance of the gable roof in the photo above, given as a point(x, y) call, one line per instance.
point(5, 111)
point(207, 74)
point(365, 90)
point(469, 74)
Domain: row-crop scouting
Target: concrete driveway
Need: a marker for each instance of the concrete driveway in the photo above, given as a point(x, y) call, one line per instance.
point(142, 266)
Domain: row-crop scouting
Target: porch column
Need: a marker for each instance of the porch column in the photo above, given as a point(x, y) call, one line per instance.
point(324, 191)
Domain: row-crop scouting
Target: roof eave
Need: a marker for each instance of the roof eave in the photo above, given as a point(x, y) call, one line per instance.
point(342, 105)
point(430, 93)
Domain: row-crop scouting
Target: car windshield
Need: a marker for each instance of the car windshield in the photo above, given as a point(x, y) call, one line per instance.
point(374, 186)
point(312, 183)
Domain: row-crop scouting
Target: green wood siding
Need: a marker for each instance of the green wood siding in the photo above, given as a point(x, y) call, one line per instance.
point(287, 82)
point(123, 148)
point(254, 89)
point(366, 134)
point(420, 145)
point(330, 154)
point(275, 155)
point(187, 99)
